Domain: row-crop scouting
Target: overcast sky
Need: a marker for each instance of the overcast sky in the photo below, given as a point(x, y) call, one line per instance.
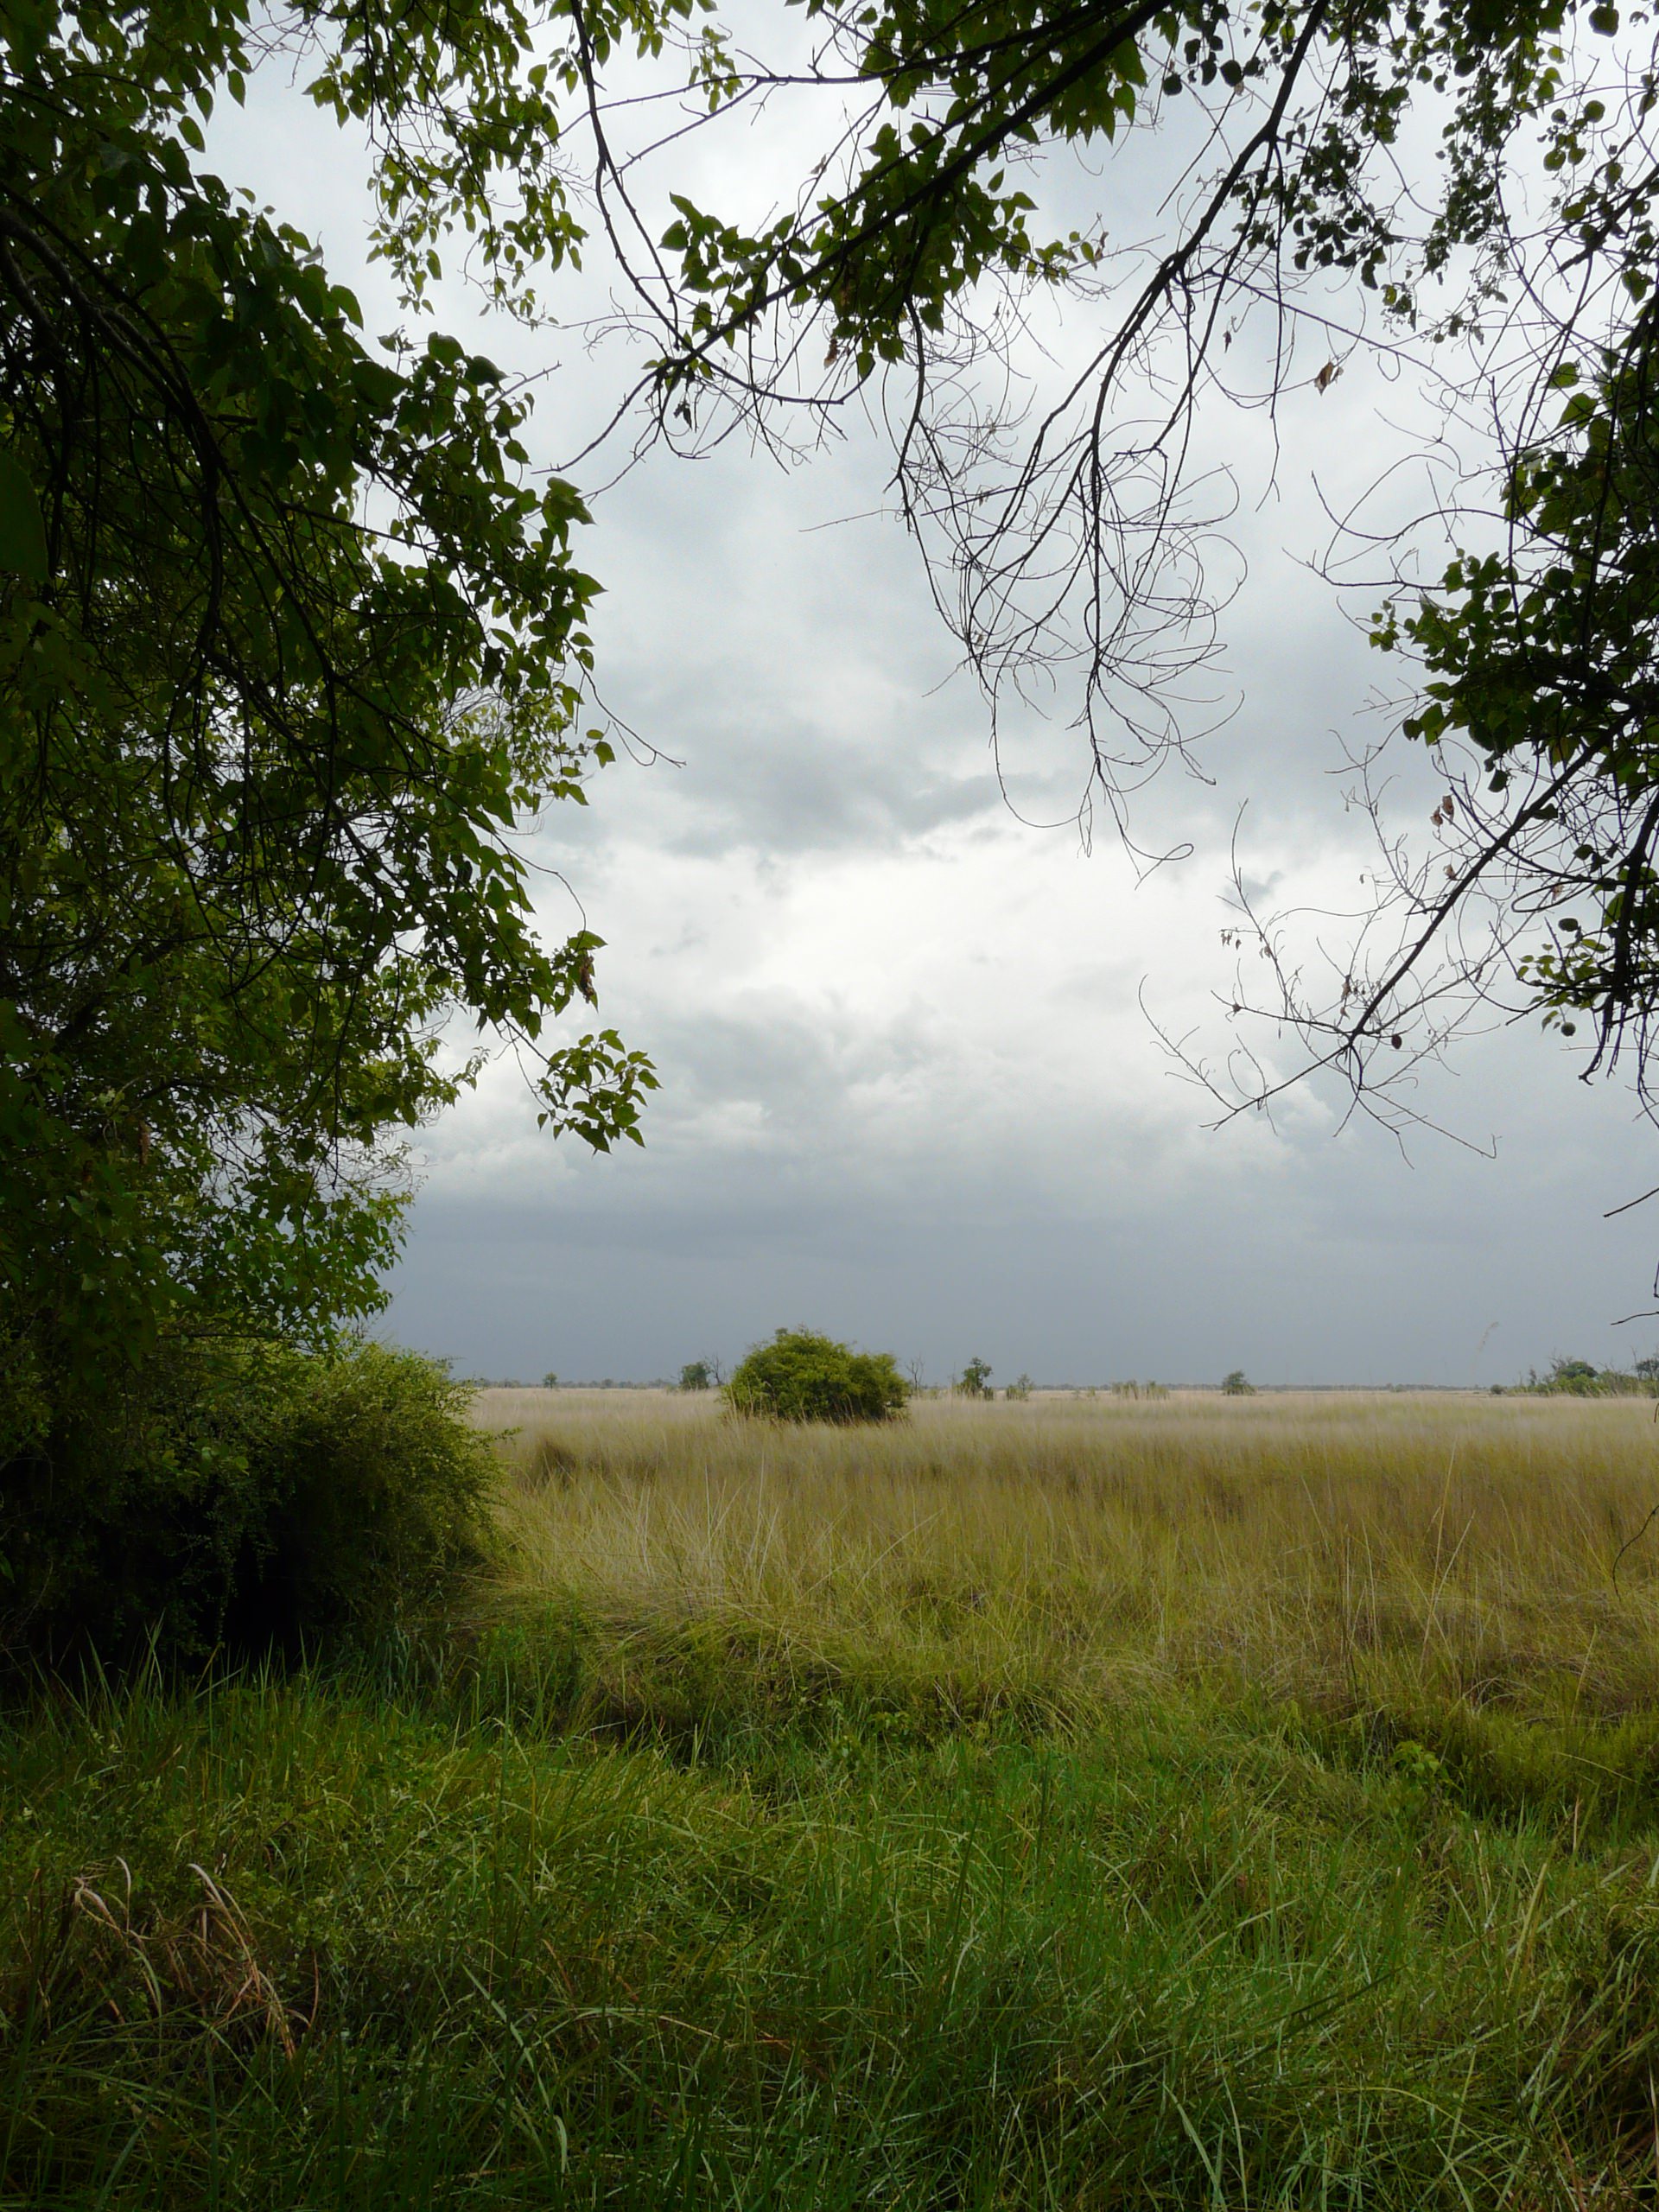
point(910, 1093)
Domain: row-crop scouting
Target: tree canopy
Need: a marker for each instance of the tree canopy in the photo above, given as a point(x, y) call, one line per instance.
point(289, 643)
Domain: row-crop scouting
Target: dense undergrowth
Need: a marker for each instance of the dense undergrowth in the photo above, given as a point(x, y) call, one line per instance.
point(240, 1496)
point(652, 1889)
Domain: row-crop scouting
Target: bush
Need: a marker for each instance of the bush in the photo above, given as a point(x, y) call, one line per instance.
point(800, 1377)
point(252, 1498)
point(1578, 1378)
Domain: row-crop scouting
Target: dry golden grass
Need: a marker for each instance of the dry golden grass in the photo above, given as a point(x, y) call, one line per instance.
point(1321, 1546)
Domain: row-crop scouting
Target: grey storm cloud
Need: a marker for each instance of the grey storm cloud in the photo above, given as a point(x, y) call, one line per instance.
point(910, 1091)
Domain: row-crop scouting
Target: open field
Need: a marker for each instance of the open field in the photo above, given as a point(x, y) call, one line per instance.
point(1194, 1803)
point(1070, 1554)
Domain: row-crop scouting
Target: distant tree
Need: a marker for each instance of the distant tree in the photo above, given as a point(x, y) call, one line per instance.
point(698, 1374)
point(975, 1381)
point(1019, 1389)
point(1235, 1385)
point(550, 1380)
point(802, 1376)
point(1577, 1378)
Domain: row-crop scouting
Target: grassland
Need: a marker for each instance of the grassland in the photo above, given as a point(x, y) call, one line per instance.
point(1065, 1556)
point(1193, 1803)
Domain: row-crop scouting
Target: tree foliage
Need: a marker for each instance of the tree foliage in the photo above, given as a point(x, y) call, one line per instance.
point(290, 642)
point(1545, 656)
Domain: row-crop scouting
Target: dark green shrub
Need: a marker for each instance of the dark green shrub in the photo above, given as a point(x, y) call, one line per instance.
point(250, 1496)
point(801, 1377)
point(379, 1488)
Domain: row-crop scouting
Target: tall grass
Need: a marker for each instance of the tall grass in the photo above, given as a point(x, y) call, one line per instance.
point(1332, 1549)
point(1071, 1805)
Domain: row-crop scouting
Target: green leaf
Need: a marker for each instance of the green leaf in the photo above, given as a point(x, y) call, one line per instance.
point(22, 534)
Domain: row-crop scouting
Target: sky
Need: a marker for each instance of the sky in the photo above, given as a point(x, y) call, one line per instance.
point(912, 1092)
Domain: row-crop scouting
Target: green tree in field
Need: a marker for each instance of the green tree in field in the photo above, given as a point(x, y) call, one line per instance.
point(699, 1375)
point(289, 640)
point(1234, 1384)
point(975, 1380)
point(802, 1376)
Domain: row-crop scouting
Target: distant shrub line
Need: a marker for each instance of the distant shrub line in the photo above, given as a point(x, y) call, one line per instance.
point(1580, 1378)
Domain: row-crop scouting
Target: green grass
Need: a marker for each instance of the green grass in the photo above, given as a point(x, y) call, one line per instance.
point(664, 1887)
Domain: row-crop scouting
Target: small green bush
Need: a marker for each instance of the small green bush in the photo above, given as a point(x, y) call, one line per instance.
point(801, 1377)
point(251, 1497)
